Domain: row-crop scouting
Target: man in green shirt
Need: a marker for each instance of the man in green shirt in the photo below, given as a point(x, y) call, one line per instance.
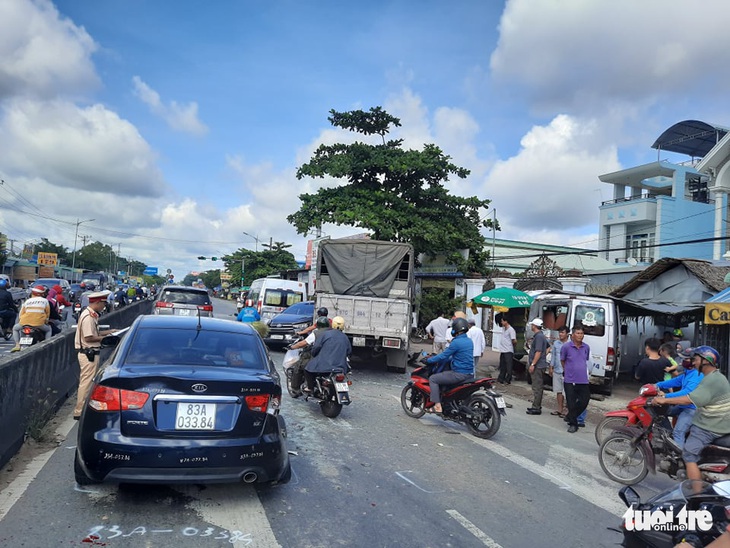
point(712, 398)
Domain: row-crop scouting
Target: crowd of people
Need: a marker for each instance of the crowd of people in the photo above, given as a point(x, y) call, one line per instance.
point(688, 378)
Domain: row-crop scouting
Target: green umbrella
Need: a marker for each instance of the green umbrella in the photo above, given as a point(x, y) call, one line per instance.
point(505, 297)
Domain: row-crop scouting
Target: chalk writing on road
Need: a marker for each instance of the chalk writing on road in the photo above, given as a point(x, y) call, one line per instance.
point(108, 532)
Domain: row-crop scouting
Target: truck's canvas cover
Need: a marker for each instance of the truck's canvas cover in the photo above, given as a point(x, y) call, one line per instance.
point(367, 270)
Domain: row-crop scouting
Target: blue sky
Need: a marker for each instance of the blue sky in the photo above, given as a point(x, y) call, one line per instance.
point(179, 125)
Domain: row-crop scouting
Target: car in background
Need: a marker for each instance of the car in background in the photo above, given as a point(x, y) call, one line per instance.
point(181, 300)
point(50, 282)
point(283, 327)
point(183, 400)
point(19, 293)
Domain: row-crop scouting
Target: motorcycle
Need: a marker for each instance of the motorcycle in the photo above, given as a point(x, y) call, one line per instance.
point(705, 500)
point(331, 390)
point(30, 335)
point(473, 402)
point(635, 414)
point(627, 455)
point(77, 310)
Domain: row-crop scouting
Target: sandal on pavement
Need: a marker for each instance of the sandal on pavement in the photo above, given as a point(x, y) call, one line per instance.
point(555, 413)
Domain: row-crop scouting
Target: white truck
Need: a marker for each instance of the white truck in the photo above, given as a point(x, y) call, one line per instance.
point(370, 284)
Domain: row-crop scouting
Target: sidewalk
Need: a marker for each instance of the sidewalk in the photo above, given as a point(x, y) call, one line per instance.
point(624, 390)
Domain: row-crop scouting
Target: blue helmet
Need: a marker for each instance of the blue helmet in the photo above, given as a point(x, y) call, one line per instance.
point(707, 353)
point(3, 283)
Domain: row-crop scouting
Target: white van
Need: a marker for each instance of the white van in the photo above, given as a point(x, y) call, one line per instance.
point(600, 320)
point(270, 296)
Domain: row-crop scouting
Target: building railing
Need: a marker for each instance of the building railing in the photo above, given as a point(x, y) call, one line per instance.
point(629, 199)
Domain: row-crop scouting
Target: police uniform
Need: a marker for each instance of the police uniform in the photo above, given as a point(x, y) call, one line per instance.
point(88, 352)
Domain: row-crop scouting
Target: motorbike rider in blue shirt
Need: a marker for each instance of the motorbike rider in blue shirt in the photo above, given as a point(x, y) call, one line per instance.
point(461, 354)
point(687, 382)
point(248, 315)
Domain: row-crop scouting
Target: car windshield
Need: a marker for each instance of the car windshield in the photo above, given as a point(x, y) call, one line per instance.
point(182, 296)
point(158, 346)
point(301, 309)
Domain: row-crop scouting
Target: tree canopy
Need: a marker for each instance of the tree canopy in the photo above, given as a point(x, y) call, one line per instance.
point(259, 264)
point(397, 194)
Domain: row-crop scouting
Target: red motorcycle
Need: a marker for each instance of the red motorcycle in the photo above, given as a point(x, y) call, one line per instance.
point(472, 402)
point(635, 414)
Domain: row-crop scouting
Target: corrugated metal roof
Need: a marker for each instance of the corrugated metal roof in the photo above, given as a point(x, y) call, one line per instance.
point(722, 297)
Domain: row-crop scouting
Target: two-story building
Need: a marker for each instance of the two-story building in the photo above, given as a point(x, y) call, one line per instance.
point(664, 209)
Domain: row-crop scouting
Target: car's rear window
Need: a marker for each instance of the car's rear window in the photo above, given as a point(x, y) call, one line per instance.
point(282, 297)
point(193, 347)
point(182, 296)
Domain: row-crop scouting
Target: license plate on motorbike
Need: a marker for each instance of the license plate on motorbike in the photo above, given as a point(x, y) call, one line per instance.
point(26, 340)
point(500, 402)
point(277, 337)
point(342, 387)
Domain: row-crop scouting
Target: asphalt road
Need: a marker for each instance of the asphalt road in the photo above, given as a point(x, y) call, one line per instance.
point(371, 477)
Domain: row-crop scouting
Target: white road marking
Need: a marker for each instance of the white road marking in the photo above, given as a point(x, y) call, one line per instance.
point(595, 493)
point(12, 493)
point(234, 509)
point(473, 529)
point(413, 483)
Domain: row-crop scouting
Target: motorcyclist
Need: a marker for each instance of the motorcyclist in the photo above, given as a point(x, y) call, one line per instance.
point(56, 293)
point(686, 382)
point(321, 313)
point(90, 288)
point(248, 314)
point(712, 398)
point(35, 312)
point(461, 354)
point(120, 297)
point(54, 319)
point(8, 309)
point(331, 351)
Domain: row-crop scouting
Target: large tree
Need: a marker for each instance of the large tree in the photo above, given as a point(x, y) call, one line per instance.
point(397, 194)
point(258, 264)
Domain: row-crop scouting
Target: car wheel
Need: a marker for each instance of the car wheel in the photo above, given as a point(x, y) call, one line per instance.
point(80, 475)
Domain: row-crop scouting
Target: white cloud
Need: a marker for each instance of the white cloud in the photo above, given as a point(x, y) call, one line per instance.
point(88, 148)
point(180, 117)
point(550, 189)
point(42, 54)
point(583, 56)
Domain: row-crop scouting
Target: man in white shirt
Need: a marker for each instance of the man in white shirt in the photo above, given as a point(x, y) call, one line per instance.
point(477, 337)
point(507, 343)
point(437, 331)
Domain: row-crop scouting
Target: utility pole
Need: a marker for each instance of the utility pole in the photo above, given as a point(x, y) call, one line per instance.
point(76, 235)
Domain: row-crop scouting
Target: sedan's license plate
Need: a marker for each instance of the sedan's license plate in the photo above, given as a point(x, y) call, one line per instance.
point(500, 402)
point(277, 336)
point(342, 387)
point(183, 312)
point(195, 416)
point(358, 341)
point(26, 340)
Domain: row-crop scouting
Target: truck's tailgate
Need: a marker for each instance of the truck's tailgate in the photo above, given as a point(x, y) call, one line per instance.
point(368, 315)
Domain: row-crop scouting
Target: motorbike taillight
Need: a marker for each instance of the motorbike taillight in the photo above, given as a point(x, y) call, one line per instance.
point(27, 331)
point(339, 377)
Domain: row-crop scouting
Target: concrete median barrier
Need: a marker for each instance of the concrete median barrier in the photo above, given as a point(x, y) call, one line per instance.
point(38, 380)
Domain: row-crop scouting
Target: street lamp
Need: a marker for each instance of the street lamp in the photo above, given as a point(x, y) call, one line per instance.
point(254, 237)
point(76, 235)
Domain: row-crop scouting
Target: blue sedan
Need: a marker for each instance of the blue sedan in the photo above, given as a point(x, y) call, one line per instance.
point(184, 400)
